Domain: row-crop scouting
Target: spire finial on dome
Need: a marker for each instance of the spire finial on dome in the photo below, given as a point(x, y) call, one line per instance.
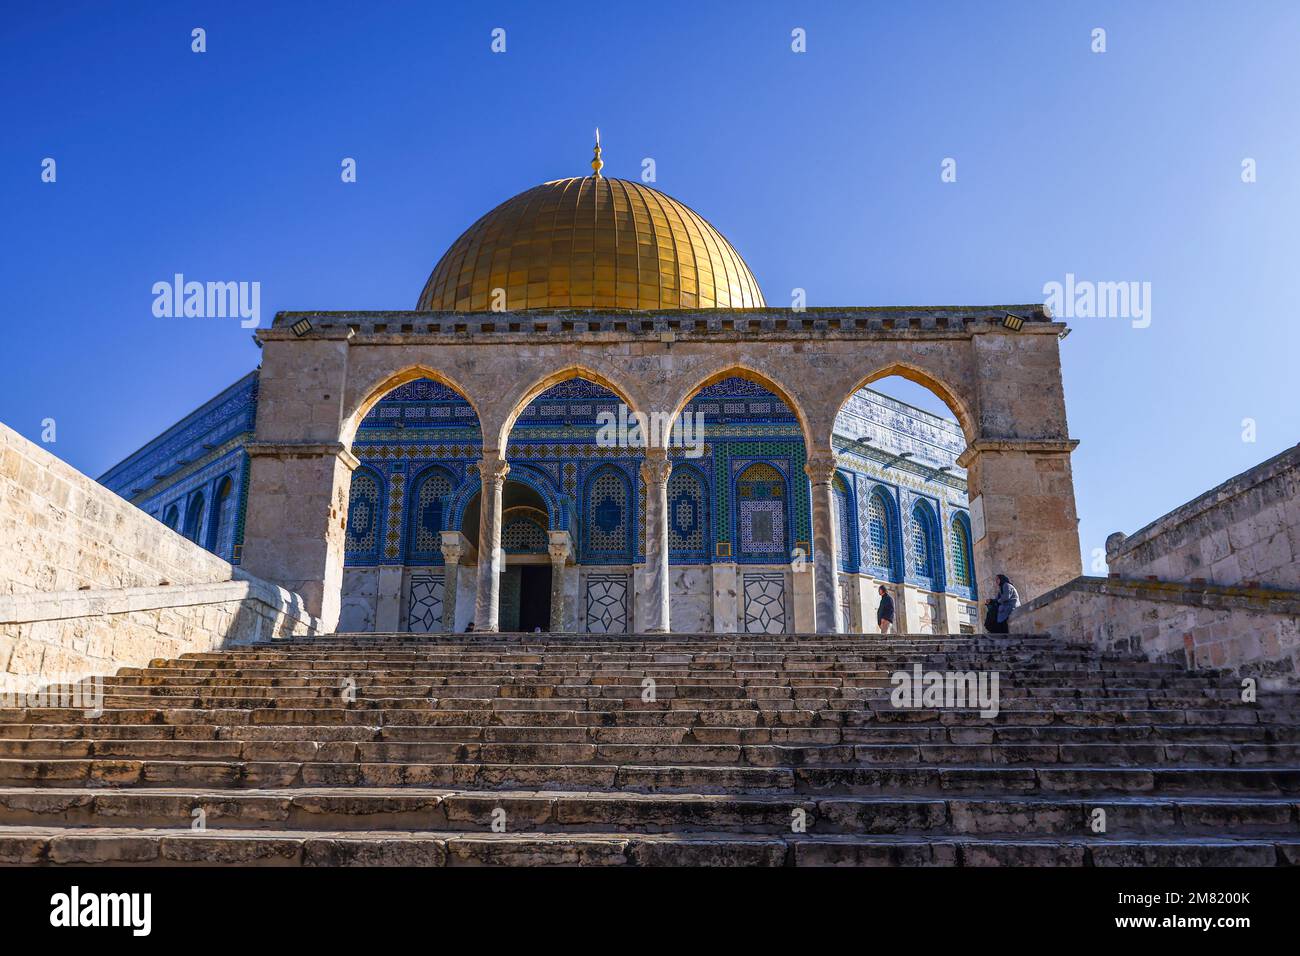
point(597, 164)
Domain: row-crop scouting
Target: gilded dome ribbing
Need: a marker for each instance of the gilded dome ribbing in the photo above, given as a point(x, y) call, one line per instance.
point(591, 243)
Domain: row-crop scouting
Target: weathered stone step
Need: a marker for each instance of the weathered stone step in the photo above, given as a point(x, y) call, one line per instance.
point(559, 811)
point(168, 847)
point(662, 751)
point(844, 778)
point(661, 733)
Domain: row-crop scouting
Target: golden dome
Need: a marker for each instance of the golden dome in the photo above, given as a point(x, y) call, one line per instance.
point(591, 243)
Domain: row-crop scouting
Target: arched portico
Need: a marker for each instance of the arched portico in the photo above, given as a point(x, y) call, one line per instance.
point(1003, 385)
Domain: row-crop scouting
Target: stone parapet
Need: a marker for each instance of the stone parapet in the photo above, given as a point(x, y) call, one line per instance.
point(1246, 530)
point(1251, 631)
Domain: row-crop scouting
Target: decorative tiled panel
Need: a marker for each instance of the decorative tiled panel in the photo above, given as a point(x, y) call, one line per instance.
point(764, 607)
point(425, 604)
point(607, 607)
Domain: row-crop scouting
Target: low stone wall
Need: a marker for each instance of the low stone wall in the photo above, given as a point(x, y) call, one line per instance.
point(61, 530)
point(1251, 631)
point(1244, 532)
point(68, 635)
point(89, 583)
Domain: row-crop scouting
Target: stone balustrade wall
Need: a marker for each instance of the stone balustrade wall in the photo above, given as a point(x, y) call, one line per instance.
point(1246, 531)
point(90, 583)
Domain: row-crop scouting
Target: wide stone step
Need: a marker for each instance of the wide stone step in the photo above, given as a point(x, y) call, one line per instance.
point(561, 811)
point(51, 846)
point(463, 770)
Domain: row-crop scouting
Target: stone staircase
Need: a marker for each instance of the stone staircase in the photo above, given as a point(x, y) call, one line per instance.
point(534, 749)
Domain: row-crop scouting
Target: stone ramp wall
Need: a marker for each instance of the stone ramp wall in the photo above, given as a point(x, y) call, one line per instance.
point(1246, 531)
point(1252, 631)
point(90, 583)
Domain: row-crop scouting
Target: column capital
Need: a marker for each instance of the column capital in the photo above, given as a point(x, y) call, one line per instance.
point(657, 467)
point(493, 468)
point(820, 469)
point(559, 546)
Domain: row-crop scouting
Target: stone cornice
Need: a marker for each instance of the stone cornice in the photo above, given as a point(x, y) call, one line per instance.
point(303, 450)
point(1028, 446)
point(870, 322)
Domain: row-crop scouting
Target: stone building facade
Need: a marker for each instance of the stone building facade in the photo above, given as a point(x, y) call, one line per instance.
point(900, 499)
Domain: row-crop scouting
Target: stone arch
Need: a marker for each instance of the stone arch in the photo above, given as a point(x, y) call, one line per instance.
point(524, 474)
point(374, 391)
point(521, 401)
point(961, 406)
point(739, 370)
point(685, 471)
point(368, 482)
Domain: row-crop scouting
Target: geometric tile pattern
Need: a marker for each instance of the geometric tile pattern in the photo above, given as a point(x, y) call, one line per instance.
point(764, 602)
point(425, 603)
point(607, 603)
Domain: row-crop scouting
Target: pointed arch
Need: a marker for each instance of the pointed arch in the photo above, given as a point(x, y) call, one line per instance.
point(960, 406)
point(194, 518)
point(739, 370)
point(845, 521)
point(524, 399)
point(608, 511)
point(924, 546)
point(366, 508)
point(762, 515)
point(222, 518)
point(430, 494)
point(374, 391)
point(963, 554)
point(882, 542)
point(690, 530)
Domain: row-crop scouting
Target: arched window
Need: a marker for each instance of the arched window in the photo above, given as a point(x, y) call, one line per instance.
point(172, 517)
point(880, 535)
point(687, 514)
point(844, 530)
point(223, 517)
point(522, 533)
point(609, 524)
point(924, 553)
point(364, 513)
point(429, 499)
point(194, 518)
point(962, 564)
point(761, 514)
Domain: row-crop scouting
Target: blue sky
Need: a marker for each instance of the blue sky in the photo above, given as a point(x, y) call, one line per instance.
point(822, 167)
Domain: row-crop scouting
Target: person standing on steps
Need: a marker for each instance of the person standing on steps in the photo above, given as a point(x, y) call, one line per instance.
point(1007, 600)
point(885, 612)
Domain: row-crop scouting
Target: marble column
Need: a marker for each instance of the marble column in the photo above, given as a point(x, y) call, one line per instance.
point(492, 471)
point(452, 550)
point(653, 612)
point(821, 472)
point(560, 548)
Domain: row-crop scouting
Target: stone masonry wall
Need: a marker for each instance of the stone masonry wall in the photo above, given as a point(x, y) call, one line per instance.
point(89, 583)
point(60, 531)
point(1252, 631)
point(1245, 531)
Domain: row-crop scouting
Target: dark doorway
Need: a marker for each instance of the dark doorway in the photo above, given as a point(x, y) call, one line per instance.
point(525, 597)
point(535, 597)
